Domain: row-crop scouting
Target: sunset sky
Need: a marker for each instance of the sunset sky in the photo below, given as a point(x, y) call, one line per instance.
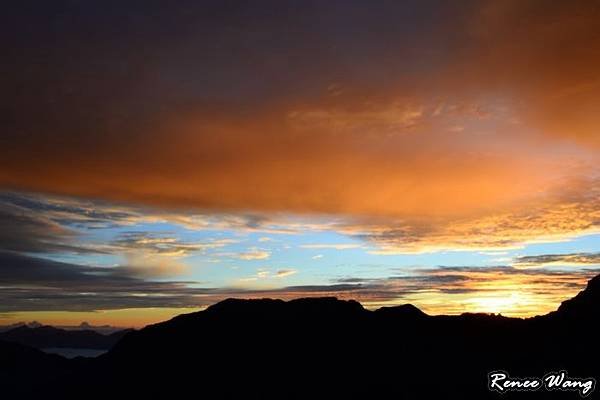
point(157, 157)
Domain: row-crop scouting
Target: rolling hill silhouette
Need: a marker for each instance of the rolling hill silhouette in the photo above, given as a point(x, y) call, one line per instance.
point(329, 348)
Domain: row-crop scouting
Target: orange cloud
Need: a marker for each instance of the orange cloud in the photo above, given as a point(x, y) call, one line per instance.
point(430, 136)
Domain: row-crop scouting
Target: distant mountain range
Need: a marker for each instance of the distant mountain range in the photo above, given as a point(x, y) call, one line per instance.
point(323, 348)
point(41, 337)
point(84, 326)
point(32, 324)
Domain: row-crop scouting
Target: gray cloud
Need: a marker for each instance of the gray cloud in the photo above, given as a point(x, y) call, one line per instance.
point(27, 232)
point(30, 283)
point(31, 223)
point(68, 212)
point(560, 259)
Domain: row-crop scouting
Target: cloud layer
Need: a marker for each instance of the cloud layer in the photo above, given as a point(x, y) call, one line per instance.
point(395, 110)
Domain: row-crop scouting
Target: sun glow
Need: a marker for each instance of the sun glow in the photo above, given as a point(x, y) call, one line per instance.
point(500, 302)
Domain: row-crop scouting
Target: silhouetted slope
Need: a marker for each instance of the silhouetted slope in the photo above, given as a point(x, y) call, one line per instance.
point(329, 348)
point(48, 336)
point(585, 306)
point(336, 349)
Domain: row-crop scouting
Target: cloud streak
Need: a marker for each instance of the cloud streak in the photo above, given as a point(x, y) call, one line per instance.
point(164, 244)
point(574, 259)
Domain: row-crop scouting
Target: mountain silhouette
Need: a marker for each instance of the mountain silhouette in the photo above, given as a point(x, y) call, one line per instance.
point(584, 306)
point(48, 336)
point(330, 348)
point(407, 311)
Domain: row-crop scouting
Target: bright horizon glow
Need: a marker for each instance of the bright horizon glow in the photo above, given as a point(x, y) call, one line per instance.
point(509, 304)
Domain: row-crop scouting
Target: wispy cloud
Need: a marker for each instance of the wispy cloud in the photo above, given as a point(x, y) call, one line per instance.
point(336, 246)
point(253, 254)
point(282, 273)
point(266, 273)
point(164, 244)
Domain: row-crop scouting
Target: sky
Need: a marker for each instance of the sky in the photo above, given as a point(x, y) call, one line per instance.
point(158, 157)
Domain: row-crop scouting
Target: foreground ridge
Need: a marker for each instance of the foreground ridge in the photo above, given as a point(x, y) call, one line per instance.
point(293, 349)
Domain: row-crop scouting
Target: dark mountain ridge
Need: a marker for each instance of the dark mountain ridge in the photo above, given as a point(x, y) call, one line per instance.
point(330, 348)
point(584, 305)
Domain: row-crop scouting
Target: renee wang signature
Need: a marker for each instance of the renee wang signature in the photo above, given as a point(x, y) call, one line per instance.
point(502, 382)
